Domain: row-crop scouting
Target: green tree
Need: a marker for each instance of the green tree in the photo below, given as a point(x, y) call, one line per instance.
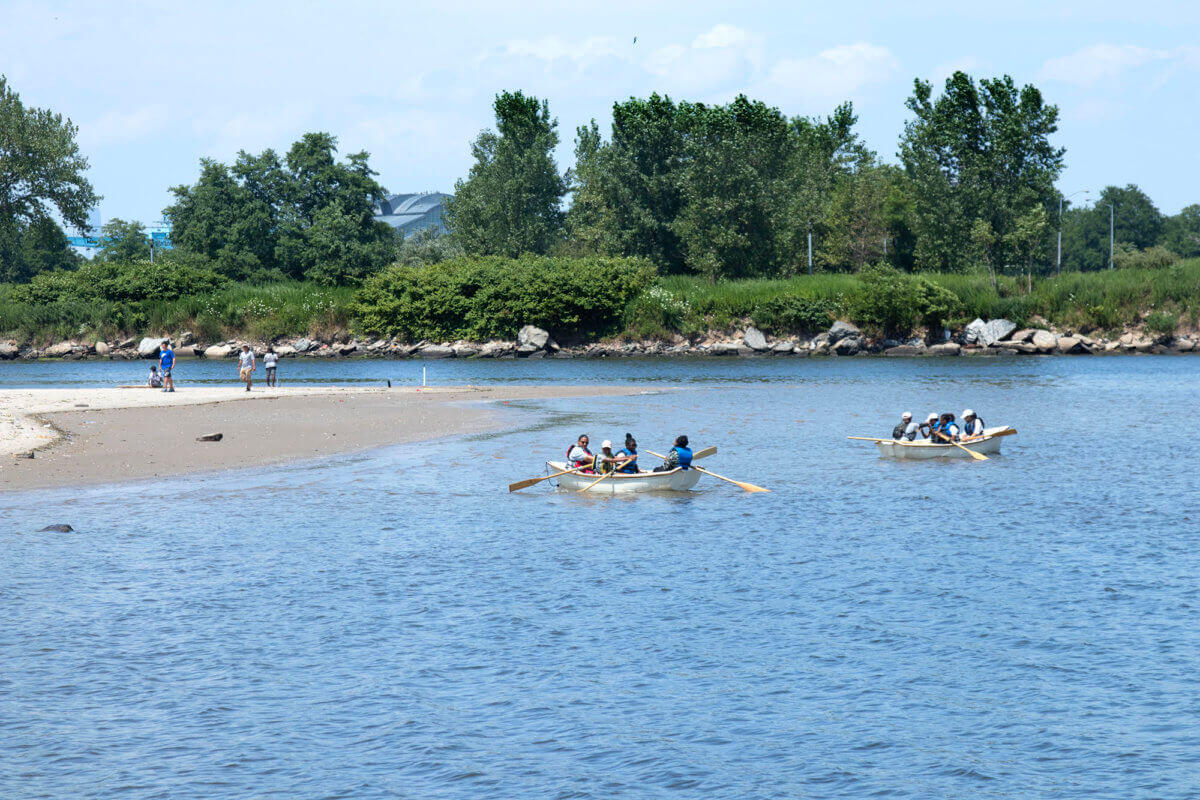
point(510, 202)
point(123, 241)
point(1027, 237)
point(45, 249)
point(224, 221)
point(977, 152)
point(1181, 233)
point(40, 164)
point(1135, 221)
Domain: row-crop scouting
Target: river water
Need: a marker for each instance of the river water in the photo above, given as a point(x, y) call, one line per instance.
point(395, 624)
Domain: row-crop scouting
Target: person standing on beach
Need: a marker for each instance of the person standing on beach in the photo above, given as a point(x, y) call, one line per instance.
point(166, 363)
point(246, 365)
point(270, 359)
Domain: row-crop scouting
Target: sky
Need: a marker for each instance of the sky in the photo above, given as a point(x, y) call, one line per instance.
point(155, 86)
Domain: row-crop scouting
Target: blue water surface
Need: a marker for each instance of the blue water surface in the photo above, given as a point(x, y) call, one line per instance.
point(395, 624)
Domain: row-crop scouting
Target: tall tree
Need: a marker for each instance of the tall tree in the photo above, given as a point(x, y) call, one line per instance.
point(1181, 232)
point(510, 202)
point(977, 152)
point(1135, 221)
point(123, 241)
point(40, 164)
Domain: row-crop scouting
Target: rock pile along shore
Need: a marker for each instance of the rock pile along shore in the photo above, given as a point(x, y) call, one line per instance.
point(979, 338)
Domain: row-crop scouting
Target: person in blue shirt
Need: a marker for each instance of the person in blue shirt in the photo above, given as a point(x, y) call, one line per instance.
point(629, 453)
point(680, 456)
point(166, 362)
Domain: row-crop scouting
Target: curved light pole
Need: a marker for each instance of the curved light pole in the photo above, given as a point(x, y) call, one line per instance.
point(1060, 205)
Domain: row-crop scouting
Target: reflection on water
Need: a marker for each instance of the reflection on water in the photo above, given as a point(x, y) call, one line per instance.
point(396, 624)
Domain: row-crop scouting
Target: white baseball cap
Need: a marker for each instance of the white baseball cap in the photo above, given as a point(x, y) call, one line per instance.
point(931, 418)
point(605, 444)
point(968, 413)
point(906, 415)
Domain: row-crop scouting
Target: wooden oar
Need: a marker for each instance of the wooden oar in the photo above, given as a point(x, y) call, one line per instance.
point(705, 453)
point(593, 483)
point(749, 487)
point(974, 455)
point(525, 484)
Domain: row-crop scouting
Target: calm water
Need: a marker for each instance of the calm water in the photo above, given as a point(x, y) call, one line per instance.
point(395, 624)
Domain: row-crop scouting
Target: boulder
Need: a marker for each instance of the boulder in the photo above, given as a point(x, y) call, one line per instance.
point(988, 333)
point(345, 349)
point(302, 345)
point(904, 350)
point(8, 351)
point(840, 330)
point(376, 345)
point(285, 351)
point(148, 347)
point(218, 351)
point(59, 350)
point(847, 345)
point(724, 349)
point(526, 350)
point(945, 349)
point(755, 340)
point(1023, 335)
point(436, 351)
point(128, 343)
point(1044, 341)
point(1143, 346)
point(464, 351)
point(1070, 344)
point(1185, 345)
point(102, 348)
point(496, 349)
point(61, 527)
point(532, 335)
point(185, 339)
point(537, 354)
point(783, 348)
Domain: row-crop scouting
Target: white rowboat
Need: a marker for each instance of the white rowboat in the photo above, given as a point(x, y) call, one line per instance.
point(988, 445)
point(677, 480)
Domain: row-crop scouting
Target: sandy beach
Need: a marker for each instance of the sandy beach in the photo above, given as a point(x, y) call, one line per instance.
point(90, 436)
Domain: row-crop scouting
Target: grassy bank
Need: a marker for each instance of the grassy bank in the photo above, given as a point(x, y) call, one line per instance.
point(471, 299)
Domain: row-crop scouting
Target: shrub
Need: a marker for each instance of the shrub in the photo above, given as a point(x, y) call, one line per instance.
point(121, 282)
point(896, 303)
point(1161, 323)
point(1127, 256)
point(790, 313)
point(492, 297)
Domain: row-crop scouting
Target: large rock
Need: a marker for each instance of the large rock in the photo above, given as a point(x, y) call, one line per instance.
point(464, 351)
point(988, 333)
point(436, 351)
point(783, 348)
point(218, 351)
point(59, 350)
point(148, 347)
point(1070, 344)
point(724, 349)
point(60, 527)
point(526, 350)
point(302, 345)
point(496, 349)
point(532, 335)
point(904, 350)
point(1023, 335)
point(755, 340)
point(126, 344)
point(102, 348)
point(185, 339)
point(847, 345)
point(8, 351)
point(1185, 345)
point(1044, 341)
point(945, 349)
point(840, 330)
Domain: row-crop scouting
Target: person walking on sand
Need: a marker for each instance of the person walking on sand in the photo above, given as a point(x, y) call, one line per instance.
point(270, 359)
point(246, 365)
point(166, 363)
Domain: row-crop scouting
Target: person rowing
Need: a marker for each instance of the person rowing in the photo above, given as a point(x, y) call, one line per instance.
point(929, 427)
point(907, 429)
point(629, 454)
point(578, 455)
point(946, 430)
point(679, 456)
point(972, 427)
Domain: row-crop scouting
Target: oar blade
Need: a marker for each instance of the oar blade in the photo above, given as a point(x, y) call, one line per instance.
point(525, 484)
point(705, 453)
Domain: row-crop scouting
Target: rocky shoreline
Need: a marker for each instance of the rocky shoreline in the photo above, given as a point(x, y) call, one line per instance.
point(993, 338)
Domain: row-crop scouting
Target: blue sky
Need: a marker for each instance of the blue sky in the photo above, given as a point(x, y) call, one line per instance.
point(155, 86)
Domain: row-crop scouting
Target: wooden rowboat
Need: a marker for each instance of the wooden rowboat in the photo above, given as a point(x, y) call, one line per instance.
point(988, 445)
point(677, 480)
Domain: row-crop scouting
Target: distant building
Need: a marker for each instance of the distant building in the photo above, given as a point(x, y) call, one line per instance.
point(409, 213)
point(86, 241)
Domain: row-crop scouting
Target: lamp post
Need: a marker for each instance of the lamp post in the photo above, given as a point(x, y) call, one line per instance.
point(810, 272)
point(1060, 205)
point(1110, 234)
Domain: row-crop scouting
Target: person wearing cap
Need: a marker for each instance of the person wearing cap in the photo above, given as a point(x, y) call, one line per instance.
point(901, 430)
point(929, 427)
point(606, 460)
point(972, 427)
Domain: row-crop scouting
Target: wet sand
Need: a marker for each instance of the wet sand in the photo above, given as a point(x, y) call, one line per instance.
point(130, 434)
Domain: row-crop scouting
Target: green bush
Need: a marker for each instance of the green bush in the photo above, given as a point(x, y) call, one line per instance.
point(1129, 257)
point(489, 297)
point(896, 302)
point(121, 282)
point(791, 313)
point(1161, 322)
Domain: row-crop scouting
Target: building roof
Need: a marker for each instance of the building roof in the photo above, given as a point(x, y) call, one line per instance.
point(409, 213)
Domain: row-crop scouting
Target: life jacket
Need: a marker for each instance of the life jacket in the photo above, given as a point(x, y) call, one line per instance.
point(685, 456)
point(973, 428)
point(628, 466)
point(584, 463)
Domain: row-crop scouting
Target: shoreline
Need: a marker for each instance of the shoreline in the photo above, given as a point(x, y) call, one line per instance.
point(85, 437)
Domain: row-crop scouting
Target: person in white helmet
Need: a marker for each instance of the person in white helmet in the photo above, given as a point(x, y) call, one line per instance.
point(929, 427)
point(972, 425)
point(606, 459)
point(905, 421)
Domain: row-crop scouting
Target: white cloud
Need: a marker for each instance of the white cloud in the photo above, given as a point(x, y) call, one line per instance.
point(119, 127)
point(834, 74)
point(555, 48)
point(724, 36)
point(1099, 61)
point(720, 58)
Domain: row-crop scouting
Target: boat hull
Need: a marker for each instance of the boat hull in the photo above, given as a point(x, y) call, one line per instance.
point(677, 480)
point(917, 451)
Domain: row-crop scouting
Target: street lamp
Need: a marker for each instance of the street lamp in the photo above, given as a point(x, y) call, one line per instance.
point(1110, 234)
point(1060, 205)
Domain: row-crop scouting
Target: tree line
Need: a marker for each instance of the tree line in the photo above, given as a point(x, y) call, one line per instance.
point(725, 191)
